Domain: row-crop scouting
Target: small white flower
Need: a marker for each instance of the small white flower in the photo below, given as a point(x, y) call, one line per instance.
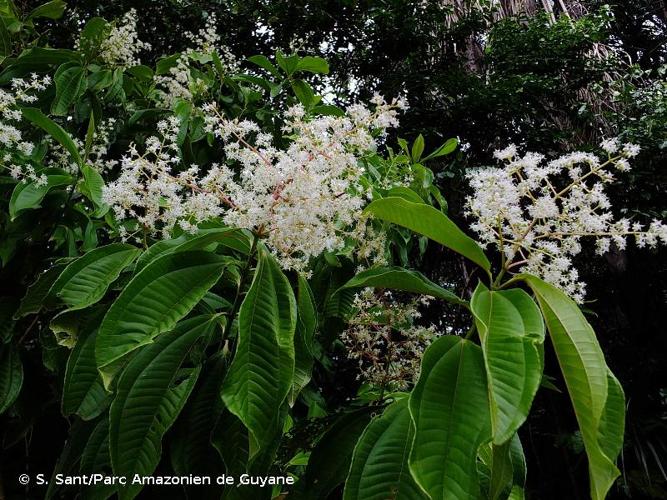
point(610, 146)
point(506, 154)
point(631, 150)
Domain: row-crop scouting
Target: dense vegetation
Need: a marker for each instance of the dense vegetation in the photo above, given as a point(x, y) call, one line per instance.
point(223, 253)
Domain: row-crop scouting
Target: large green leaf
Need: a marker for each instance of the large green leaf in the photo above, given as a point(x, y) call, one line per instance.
point(5, 41)
point(398, 278)
point(426, 220)
point(235, 239)
point(450, 410)
point(511, 329)
point(379, 467)
point(92, 186)
point(263, 62)
point(11, 376)
point(612, 422)
point(35, 298)
point(151, 393)
point(191, 448)
point(505, 467)
point(37, 59)
point(70, 85)
point(95, 456)
point(303, 338)
point(159, 249)
point(83, 392)
point(70, 456)
point(92, 35)
point(261, 373)
point(586, 376)
point(95, 459)
point(86, 280)
point(53, 10)
point(54, 130)
point(330, 460)
point(313, 65)
point(29, 195)
point(152, 303)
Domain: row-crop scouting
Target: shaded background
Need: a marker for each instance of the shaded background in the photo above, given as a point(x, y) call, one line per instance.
point(551, 79)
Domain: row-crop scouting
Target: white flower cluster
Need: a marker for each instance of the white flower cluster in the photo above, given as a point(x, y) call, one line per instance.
point(180, 83)
point(59, 157)
point(382, 337)
point(146, 189)
point(121, 46)
point(302, 199)
point(14, 150)
point(537, 212)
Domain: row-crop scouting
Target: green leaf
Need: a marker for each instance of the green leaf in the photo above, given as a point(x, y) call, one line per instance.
point(95, 456)
point(163, 66)
point(398, 278)
point(79, 434)
point(5, 41)
point(95, 459)
point(612, 422)
point(261, 373)
point(37, 59)
point(152, 303)
point(304, 93)
point(90, 136)
point(236, 239)
point(141, 72)
point(448, 147)
point(328, 110)
point(151, 393)
point(505, 467)
point(29, 195)
point(406, 193)
point(303, 337)
point(92, 186)
point(313, 65)
point(426, 220)
point(230, 439)
point(52, 10)
point(115, 92)
point(35, 298)
point(263, 62)
point(450, 410)
point(511, 329)
point(417, 148)
point(83, 392)
point(70, 85)
point(159, 249)
point(11, 376)
point(191, 448)
point(287, 63)
point(85, 281)
point(330, 460)
point(92, 35)
point(379, 467)
point(596, 405)
point(54, 130)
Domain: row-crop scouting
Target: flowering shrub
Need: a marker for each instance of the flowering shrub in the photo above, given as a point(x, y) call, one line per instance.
point(213, 241)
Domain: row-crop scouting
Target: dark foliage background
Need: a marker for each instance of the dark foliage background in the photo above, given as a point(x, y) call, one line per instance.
point(515, 75)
